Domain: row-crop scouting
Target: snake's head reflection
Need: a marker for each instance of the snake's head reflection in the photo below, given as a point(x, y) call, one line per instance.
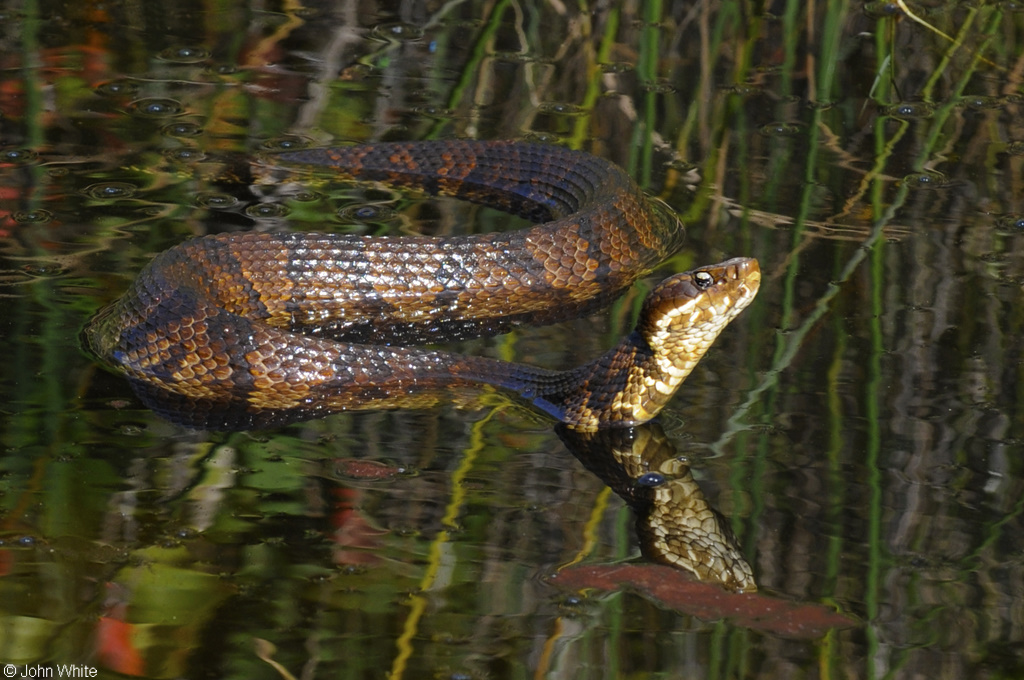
point(675, 523)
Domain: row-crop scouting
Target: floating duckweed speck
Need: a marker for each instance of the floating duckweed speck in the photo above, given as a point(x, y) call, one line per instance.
point(659, 87)
point(20, 542)
point(980, 102)
point(110, 190)
point(156, 107)
point(562, 108)
point(215, 201)
point(185, 155)
point(284, 144)
point(745, 90)
point(432, 111)
point(353, 569)
point(820, 104)
point(780, 129)
point(222, 69)
point(925, 180)
point(44, 269)
point(37, 216)
point(184, 55)
point(182, 129)
point(306, 196)
point(909, 110)
point(541, 137)
point(18, 156)
point(118, 88)
point(397, 31)
point(267, 210)
point(617, 67)
point(366, 213)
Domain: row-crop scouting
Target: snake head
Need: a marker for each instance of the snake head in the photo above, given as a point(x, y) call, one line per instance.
point(684, 314)
point(679, 321)
point(101, 336)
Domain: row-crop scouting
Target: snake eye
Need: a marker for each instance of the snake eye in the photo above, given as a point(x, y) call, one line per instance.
point(703, 280)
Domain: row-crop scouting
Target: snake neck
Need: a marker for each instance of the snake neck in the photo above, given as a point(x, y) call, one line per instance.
point(627, 385)
point(679, 321)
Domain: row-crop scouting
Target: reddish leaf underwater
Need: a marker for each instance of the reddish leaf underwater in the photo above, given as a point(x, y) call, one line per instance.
point(678, 591)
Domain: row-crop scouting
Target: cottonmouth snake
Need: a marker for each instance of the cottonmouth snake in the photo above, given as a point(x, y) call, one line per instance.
point(249, 330)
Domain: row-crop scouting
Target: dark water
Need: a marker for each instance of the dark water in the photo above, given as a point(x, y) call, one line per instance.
point(859, 427)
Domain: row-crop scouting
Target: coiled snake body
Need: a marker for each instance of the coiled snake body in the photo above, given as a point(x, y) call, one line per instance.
point(247, 330)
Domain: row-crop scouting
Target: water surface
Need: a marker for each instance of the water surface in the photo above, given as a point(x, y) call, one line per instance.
point(859, 427)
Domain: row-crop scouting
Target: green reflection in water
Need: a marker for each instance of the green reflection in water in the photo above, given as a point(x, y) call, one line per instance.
point(871, 429)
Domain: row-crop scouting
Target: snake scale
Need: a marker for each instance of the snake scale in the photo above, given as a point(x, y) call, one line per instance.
point(251, 330)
